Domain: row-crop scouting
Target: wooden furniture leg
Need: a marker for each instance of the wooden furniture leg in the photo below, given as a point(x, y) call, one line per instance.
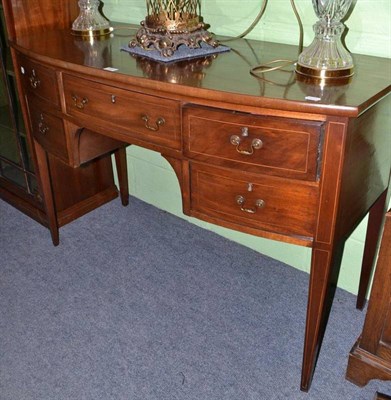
point(326, 254)
point(47, 192)
point(376, 215)
point(122, 173)
point(381, 396)
point(323, 277)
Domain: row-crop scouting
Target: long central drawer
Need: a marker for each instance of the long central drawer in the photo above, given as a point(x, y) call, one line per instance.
point(143, 117)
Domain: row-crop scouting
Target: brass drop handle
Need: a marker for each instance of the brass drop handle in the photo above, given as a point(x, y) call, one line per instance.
point(34, 80)
point(236, 141)
point(42, 126)
point(240, 200)
point(79, 103)
point(159, 122)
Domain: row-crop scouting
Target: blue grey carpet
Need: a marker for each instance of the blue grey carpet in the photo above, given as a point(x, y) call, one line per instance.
point(137, 304)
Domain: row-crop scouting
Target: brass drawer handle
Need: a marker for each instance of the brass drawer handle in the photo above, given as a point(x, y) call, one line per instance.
point(79, 104)
point(159, 122)
point(42, 126)
point(34, 80)
point(237, 140)
point(240, 200)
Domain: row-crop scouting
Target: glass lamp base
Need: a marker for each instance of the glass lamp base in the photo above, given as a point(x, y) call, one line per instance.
point(326, 58)
point(90, 23)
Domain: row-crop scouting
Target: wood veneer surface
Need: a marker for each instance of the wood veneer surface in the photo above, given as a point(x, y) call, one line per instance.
point(214, 78)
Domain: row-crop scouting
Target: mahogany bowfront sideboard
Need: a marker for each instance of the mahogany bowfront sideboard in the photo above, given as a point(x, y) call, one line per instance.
point(278, 158)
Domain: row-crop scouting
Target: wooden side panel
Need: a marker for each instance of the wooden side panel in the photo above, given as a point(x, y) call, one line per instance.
point(87, 181)
point(367, 167)
point(24, 16)
point(333, 163)
point(378, 322)
point(370, 358)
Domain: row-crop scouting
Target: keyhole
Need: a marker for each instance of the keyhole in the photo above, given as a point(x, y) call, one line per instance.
point(245, 131)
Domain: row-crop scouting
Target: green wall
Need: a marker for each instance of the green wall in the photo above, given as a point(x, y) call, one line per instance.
point(151, 177)
point(368, 23)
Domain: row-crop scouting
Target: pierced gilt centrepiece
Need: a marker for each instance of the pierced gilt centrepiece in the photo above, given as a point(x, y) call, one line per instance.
point(171, 23)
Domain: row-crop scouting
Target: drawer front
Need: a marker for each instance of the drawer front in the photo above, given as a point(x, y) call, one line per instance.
point(146, 118)
point(271, 145)
point(39, 80)
point(274, 204)
point(48, 131)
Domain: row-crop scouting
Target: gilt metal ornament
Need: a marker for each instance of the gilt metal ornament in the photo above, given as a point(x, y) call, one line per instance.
point(171, 23)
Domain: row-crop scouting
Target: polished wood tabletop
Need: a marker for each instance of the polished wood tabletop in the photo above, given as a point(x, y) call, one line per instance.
point(223, 77)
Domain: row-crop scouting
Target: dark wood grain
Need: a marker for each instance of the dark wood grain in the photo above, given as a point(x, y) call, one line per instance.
point(325, 250)
point(366, 168)
point(47, 192)
point(28, 204)
point(371, 246)
point(123, 110)
point(378, 320)
point(226, 78)
point(289, 206)
point(289, 148)
point(39, 81)
point(81, 190)
point(122, 172)
point(41, 15)
point(381, 396)
point(48, 131)
point(370, 357)
point(328, 160)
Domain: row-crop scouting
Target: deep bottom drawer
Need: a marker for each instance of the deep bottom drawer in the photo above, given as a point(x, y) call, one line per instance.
point(279, 205)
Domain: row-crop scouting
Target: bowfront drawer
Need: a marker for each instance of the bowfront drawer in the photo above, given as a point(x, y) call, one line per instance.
point(271, 145)
point(146, 118)
point(269, 203)
point(39, 80)
point(48, 131)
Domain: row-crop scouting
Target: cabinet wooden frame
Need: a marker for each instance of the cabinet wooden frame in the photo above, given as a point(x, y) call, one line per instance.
point(82, 189)
point(348, 176)
point(370, 357)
